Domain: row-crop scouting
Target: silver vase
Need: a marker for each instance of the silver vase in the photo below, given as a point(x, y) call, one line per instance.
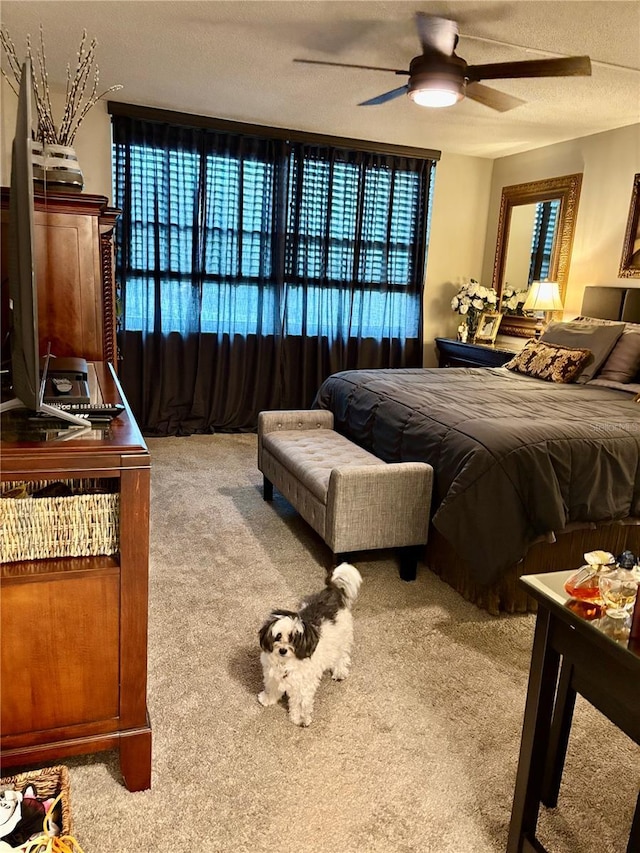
point(61, 168)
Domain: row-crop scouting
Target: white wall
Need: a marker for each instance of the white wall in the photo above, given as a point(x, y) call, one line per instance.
point(456, 246)
point(608, 162)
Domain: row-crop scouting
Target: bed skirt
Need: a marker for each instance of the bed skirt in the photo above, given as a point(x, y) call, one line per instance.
point(566, 552)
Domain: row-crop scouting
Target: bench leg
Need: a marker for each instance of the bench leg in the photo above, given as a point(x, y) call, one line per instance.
point(409, 562)
point(267, 489)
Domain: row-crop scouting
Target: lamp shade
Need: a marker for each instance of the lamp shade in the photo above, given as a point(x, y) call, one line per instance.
point(543, 296)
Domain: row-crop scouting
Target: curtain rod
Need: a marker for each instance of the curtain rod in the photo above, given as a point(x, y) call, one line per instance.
point(118, 108)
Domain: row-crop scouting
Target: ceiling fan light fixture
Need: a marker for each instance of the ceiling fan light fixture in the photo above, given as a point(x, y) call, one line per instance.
point(436, 90)
point(435, 97)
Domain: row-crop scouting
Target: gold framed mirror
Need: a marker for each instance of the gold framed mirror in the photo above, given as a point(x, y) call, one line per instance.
point(630, 263)
point(522, 208)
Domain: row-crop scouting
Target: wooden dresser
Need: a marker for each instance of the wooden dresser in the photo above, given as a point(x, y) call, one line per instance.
point(74, 263)
point(74, 629)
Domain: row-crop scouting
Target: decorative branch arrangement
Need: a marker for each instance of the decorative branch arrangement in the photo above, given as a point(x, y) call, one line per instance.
point(81, 94)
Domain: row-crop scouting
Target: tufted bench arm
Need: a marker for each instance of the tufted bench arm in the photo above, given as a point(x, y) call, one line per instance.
point(353, 500)
point(291, 420)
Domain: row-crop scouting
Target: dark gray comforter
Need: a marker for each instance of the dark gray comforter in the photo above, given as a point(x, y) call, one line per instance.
point(513, 457)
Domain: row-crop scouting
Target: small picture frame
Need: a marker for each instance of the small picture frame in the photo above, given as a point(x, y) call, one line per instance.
point(488, 326)
point(630, 261)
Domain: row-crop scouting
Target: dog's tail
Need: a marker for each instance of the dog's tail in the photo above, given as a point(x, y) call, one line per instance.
point(347, 579)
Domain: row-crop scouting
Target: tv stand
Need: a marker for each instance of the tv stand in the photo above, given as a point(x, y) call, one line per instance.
point(74, 629)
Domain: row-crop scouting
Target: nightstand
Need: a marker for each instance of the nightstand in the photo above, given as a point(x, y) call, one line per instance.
point(454, 353)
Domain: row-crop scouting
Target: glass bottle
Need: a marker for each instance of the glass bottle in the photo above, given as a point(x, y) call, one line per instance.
point(584, 584)
point(628, 560)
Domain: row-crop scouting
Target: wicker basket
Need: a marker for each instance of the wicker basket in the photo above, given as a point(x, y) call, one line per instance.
point(47, 783)
point(80, 525)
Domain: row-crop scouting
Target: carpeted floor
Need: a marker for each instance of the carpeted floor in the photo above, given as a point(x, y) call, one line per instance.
point(415, 752)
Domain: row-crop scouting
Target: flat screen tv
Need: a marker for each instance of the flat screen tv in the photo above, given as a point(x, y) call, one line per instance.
point(26, 382)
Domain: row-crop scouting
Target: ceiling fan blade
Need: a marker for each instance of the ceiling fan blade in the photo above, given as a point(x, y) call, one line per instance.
point(570, 66)
point(387, 96)
point(492, 97)
point(436, 34)
point(349, 65)
point(545, 52)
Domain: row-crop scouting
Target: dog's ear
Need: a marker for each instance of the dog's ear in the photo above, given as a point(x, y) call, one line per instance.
point(305, 641)
point(266, 637)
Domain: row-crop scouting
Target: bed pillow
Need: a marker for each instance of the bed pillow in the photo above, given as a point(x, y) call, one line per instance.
point(629, 387)
point(596, 321)
point(600, 340)
point(548, 361)
point(623, 362)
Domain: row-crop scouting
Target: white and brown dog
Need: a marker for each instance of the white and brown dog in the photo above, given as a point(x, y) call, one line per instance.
point(298, 647)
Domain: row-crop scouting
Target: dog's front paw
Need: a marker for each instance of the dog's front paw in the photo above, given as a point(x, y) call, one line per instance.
point(339, 673)
point(299, 718)
point(265, 699)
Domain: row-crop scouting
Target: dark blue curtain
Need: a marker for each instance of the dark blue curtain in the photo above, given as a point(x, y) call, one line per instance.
point(251, 268)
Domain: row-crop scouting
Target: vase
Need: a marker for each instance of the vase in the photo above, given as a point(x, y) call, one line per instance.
point(61, 168)
point(472, 325)
point(37, 159)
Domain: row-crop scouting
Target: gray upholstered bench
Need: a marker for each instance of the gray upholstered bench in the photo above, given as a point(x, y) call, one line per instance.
point(352, 499)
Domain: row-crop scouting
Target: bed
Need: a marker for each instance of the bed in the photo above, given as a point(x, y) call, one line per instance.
point(529, 473)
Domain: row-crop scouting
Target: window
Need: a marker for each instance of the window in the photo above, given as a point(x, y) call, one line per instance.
point(339, 259)
point(252, 264)
point(544, 231)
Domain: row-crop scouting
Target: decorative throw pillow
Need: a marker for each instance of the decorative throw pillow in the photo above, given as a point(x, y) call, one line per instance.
point(599, 339)
point(547, 361)
point(623, 363)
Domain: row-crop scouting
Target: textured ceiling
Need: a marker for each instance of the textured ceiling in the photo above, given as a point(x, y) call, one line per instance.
point(234, 60)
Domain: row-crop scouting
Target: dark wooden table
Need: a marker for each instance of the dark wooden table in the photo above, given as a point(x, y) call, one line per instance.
point(452, 353)
point(74, 629)
point(571, 654)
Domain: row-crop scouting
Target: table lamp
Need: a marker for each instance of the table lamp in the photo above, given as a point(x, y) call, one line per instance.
point(543, 296)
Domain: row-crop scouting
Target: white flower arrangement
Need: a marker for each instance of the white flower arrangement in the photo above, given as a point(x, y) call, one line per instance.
point(513, 300)
point(473, 298)
point(81, 95)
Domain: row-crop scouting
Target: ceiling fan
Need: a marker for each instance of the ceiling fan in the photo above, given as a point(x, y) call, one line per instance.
point(440, 78)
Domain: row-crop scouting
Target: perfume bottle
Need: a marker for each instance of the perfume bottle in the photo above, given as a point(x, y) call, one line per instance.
point(628, 560)
point(584, 584)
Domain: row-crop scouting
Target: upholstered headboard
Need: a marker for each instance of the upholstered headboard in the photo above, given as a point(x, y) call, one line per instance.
point(612, 303)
